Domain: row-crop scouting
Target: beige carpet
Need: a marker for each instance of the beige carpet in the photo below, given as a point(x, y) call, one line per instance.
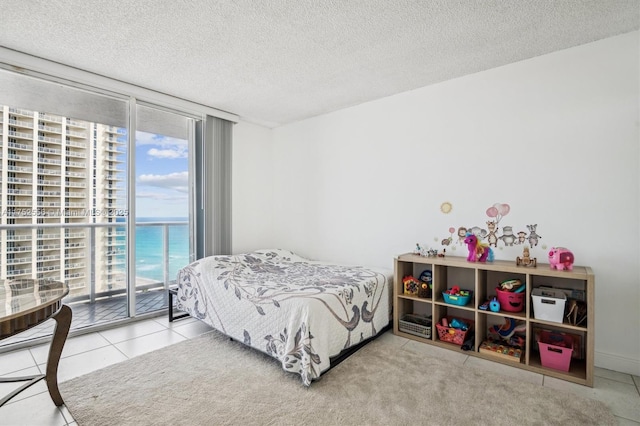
point(213, 381)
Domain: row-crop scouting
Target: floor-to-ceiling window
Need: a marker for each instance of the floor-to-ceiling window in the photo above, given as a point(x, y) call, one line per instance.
point(164, 198)
point(94, 191)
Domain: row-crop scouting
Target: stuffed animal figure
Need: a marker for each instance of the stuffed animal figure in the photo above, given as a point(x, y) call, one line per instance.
point(478, 252)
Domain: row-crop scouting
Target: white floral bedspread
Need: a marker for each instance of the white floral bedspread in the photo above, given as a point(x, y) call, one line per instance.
point(301, 312)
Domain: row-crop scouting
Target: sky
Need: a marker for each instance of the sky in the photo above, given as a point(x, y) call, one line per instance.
point(161, 176)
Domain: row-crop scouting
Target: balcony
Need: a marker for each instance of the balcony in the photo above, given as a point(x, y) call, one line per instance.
point(81, 135)
point(74, 123)
point(22, 112)
point(27, 158)
point(21, 146)
point(47, 117)
point(20, 169)
point(18, 260)
point(97, 277)
point(46, 150)
point(15, 273)
point(50, 129)
point(77, 144)
point(75, 154)
point(20, 123)
point(20, 135)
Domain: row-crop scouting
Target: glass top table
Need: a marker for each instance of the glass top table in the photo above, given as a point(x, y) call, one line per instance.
point(25, 303)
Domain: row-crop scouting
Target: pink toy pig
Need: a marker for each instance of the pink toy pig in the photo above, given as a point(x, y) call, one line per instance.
point(561, 258)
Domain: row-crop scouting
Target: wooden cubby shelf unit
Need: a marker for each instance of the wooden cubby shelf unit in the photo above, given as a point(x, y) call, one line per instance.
point(482, 279)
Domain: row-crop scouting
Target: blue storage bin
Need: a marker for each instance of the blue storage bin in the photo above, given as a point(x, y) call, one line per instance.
point(457, 300)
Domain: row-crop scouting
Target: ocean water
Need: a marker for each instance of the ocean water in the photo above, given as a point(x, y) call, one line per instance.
point(149, 252)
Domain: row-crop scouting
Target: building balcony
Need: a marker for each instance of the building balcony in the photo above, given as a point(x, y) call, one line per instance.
point(50, 193)
point(26, 158)
point(47, 117)
point(74, 245)
point(28, 124)
point(115, 262)
point(18, 260)
point(75, 234)
point(49, 182)
point(48, 258)
point(20, 135)
point(50, 129)
point(77, 144)
point(79, 135)
point(21, 146)
point(113, 158)
point(19, 237)
point(70, 194)
point(47, 150)
point(50, 172)
point(75, 205)
point(45, 247)
point(73, 275)
point(49, 204)
point(48, 236)
point(97, 278)
point(76, 184)
point(48, 268)
point(18, 180)
point(15, 203)
point(78, 124)
point(19, 249)
point(75, 154)
point(19, 169)
point(22, 112)
point(49, 161)
point(103, 310)
point(15, 273)
point(75, 255)
point(57, 141)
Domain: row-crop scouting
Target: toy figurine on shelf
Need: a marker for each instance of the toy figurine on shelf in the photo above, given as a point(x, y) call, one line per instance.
point(561, 258)
point(432, 253)
point(478, 252)
point(526, 259)
point(441, 254)
point(411, 285)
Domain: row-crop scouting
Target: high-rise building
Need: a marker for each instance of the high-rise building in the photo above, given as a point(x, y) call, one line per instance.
point(58, 171)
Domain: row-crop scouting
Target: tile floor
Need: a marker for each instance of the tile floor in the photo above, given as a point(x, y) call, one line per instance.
point(102, 311)
point(89, 352)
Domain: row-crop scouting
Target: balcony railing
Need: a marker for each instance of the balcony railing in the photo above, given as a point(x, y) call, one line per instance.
point(102, 268)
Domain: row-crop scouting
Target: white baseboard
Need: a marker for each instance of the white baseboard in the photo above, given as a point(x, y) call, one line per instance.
point(617, 363)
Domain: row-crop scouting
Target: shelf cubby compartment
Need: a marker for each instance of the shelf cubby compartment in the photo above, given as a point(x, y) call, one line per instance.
point(482, 279)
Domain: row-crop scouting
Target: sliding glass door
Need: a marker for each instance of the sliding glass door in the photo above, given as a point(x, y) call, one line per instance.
point(163, 200)
point(63, 193)
point(96, 191)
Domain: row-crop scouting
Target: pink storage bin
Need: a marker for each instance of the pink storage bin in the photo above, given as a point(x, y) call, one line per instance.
point(510, 301)
point(555, 350)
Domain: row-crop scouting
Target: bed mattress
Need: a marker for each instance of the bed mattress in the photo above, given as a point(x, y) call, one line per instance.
point(298, 311)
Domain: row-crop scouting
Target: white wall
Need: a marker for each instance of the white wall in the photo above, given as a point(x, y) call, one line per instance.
point(252, 187)
point(556, 137)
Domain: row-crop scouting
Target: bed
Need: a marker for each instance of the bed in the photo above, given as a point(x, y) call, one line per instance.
point(303, 313)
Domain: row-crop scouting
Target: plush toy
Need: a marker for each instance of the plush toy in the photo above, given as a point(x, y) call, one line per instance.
point(478, 252)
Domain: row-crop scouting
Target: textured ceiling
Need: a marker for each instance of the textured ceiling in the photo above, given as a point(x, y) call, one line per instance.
point(279, 61)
